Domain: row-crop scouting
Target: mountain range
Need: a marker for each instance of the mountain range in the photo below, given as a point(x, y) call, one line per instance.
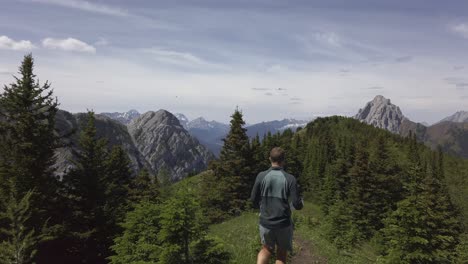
point(161, 140)
point(153, 140)
point(211, 133)
point(451, 133)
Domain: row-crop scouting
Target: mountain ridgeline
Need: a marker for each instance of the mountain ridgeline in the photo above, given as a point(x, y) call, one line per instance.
point(124, 195)
point(451, 133)
point(211, 133)
point(154, 141)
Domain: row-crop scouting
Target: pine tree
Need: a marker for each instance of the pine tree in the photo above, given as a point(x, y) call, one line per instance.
point(115, 183)
point(387, 187)
point(180, 225)
point(234, 168)
point(19, 241)
point(144, 187)
point(183, 234)
point(86, 195)
point(117, 180)
point(139, 241)
point(258, 155)
point(173, 232)
point(361, 192)
point(28, 142)
point(424, 228)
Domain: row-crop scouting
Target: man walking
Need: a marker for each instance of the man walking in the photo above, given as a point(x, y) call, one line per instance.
point(272, 191)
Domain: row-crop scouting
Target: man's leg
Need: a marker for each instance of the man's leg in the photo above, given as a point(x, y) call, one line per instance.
point(268, 245)
point(264, 255)
point(284, 239)
point(281, 256)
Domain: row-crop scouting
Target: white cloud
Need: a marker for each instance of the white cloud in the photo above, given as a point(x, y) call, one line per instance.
point(10, 44)
point(329, 38)
point(68, 44)
point(86, 6)
point(178, 58)
point(101, 42)
point(461, 29)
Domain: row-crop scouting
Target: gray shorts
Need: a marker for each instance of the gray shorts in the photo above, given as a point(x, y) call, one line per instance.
point(277, 237)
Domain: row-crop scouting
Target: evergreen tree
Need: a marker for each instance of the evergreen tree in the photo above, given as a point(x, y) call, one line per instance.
point(258, 155)
point(139, 241)
point(144, 187)
point(234, 169)
point(28, 142)
point(19, 241)
point(86, 195)
point(360, 193)
point(168, 233)
point(116, 183)
point(424, 228)
point(183, 234)
point(387, 190)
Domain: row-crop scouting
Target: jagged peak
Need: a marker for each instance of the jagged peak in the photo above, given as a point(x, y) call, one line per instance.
point(381, 113)
point(160, 116)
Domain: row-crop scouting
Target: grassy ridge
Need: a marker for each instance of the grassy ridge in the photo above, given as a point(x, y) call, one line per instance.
point(241, 238)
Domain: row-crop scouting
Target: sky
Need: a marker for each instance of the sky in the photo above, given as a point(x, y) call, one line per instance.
point(272, 59)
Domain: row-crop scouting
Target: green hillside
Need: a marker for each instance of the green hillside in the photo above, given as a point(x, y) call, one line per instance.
point(324, 156)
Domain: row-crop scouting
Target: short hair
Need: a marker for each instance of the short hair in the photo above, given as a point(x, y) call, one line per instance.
point(277, 155)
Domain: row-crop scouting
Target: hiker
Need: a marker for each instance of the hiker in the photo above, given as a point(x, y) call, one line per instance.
point(272, 191)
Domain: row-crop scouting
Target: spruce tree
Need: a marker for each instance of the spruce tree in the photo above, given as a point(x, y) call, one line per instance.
point(19, 242)
point(183, 234)
point(28, 141)
point(86, 195)
point(139, 241)
point(144, 187)
point(234, 168)
point(424, 228)
point(258, 155)
point(387, 187)
point(361, 193)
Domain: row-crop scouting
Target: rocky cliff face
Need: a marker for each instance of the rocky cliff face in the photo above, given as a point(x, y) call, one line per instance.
point(116, 134)
point(458, 117)
point(155, 140)
point(381, 113)
point(165, 144)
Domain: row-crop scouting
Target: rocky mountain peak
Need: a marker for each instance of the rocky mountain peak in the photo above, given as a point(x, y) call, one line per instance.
point(160, 117)
point(458, 117)
point(381, 113)
point(166, 145)
point(182, 119)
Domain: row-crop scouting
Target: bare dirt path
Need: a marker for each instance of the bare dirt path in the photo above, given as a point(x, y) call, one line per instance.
point(305, 253)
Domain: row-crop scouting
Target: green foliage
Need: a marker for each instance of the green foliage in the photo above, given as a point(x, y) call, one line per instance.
point(139, 241)
point(209, 251)
point(169, 233)
point(19, 241)
point(233, 171)
point(395, 189)
point(144, 187)
point(27, 146)
point(424, 228)
point(96, 191)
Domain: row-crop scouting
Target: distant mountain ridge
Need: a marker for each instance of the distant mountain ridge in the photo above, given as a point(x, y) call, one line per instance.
point(451, 134)
point(124, 118)
point(458, 117)
point(154, 140)
point(274, 126)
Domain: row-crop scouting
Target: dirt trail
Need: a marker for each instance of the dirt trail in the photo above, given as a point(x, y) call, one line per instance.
point(305, 253)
